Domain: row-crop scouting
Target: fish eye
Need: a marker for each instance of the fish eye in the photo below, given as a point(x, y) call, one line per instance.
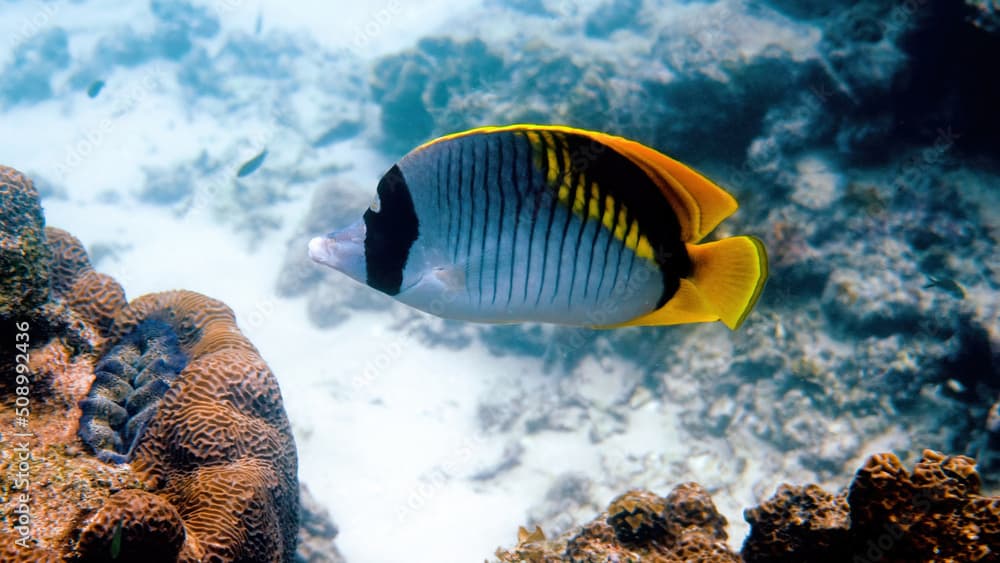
point(376, 204)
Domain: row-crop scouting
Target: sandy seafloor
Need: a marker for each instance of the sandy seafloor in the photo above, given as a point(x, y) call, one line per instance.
point(388, 430)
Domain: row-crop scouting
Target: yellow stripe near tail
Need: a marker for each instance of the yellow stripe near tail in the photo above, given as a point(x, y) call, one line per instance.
point(728, 277)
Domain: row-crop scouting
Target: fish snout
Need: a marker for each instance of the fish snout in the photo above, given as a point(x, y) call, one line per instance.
point(339, 249)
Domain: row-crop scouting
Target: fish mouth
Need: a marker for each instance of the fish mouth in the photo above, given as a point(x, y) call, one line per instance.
point(339, 249)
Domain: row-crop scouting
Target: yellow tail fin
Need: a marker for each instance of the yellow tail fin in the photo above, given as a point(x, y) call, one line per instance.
point(728, 277)
point(730, 274)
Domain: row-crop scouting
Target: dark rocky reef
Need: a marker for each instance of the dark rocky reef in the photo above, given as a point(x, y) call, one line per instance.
point(637, 526)
point(168, 384)
point(934, 514)
point(859, 152)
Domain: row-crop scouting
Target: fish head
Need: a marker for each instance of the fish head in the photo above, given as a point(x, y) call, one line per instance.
point(377, 249)
point(343, 250)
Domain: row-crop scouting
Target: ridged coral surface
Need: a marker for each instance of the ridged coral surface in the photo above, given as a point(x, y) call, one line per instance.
point(213, 475)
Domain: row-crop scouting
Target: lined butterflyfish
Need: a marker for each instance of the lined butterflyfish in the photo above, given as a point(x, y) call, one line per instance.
point(550, 224)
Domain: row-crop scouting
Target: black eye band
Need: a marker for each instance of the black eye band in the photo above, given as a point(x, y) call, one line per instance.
point(390, 233)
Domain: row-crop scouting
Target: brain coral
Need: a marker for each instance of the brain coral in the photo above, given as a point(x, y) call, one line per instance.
point(211, 472)
point(220, 444)
point(129, 380)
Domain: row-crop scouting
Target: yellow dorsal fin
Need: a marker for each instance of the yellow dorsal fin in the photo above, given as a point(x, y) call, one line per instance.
point(699, 203)
point(728, 277)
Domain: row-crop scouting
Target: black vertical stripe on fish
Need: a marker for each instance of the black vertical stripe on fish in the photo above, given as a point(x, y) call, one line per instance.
point(390, 233)
point(501, 165)
point(545, 195)
point(564, 176)
point(607, 245)
point(513, 142)
point(482, 181)
point(584, 221)
point(455, 189)
point(621, 247)
point(525, 188)
point(439, 163)
point(631, 265)
point(469, 180)
point(597, 193)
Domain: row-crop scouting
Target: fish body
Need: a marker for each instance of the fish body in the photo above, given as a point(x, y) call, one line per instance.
point(251, 166)
point(95, 88)
point(949, 286)
point(549, 224)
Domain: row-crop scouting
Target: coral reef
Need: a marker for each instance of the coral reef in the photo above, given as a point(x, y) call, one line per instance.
point(24, 279)
point(128, 383)
point(797, 523)
point(316, 532)
point(414, 86)
point(167, 383)
point(638, 526)
point(844, 154)
point(934, 514)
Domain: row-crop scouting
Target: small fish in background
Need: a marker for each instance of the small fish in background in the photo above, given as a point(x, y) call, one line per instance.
point(550, 224)
point(339, 132)
point(946, 285)
point(251, 166)
point(95, 88)
point(259, 24)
